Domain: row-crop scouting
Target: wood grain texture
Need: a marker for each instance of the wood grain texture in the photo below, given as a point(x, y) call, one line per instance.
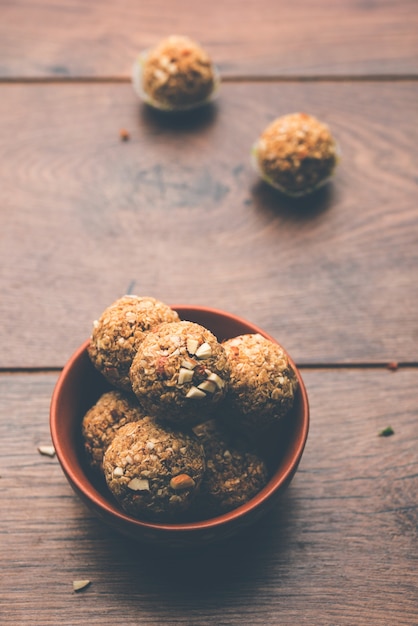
point(256, 37)
point(340, 548)
point(178, 213)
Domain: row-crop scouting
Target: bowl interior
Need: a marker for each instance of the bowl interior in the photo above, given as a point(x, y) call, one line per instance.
point(80, 385)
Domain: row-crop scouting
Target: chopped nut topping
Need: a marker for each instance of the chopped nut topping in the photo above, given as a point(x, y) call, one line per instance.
point(192, 345)
point(139, 484)
point(190, 365)
point(185, 376)
point(204, 351)
point(182, 481)
point(195, 393)
point(216, 379)
point(208, 386)
point(118, 471)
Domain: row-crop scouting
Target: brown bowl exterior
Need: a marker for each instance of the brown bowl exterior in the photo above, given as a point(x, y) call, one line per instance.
point(78, 388)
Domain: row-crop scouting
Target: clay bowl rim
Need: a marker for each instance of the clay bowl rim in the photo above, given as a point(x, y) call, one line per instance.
point(89, 492)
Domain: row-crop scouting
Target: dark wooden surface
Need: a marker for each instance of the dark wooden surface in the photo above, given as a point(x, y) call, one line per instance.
point(73, 38)
point(341, 547)
point(178, 213)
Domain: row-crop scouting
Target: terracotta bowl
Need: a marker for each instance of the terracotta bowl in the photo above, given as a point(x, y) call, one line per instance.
point(80, 385)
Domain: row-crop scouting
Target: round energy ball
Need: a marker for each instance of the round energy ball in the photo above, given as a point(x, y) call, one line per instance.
point(119, 331)
point(296, 153)
point(180, 372)
point(153, 471)
point(233, 473)
point(100, 424)
point(262, 384)
point(176, 74)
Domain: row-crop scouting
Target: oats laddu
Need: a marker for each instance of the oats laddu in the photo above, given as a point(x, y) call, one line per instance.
point(112, 410)
point(153, 471)
point(177, 74)
point(234, 474)
point(296, 153)
point(262, 384)
point(180, 372)
point(118, 332)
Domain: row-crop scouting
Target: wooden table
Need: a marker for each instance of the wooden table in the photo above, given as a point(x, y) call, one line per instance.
point(178, 213)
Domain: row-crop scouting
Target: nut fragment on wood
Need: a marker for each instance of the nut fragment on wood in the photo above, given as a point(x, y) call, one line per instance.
point(79, 585)
point(47, 451)
point(123, 134)
point(393, 366)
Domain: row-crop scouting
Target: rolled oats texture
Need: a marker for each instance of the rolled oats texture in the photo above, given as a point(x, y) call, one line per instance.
point(180, 373)
point(296, 153)
point(234, 474)
point(262, 383)
point(112, 410)
point(177, 73)
point(153, 471)
point(118, 332)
